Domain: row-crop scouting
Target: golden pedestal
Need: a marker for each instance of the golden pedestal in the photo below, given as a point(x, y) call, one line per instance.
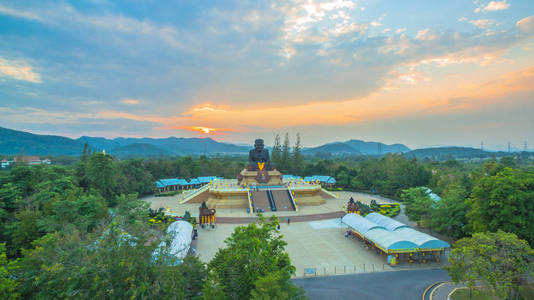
point(273, 177)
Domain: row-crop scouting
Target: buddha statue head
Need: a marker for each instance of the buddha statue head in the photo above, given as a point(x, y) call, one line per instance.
point(258, 145)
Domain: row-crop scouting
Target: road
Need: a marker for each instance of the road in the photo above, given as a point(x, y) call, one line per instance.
point(401, 285)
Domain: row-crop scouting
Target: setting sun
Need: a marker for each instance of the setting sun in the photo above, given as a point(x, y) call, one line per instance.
point(205, 130)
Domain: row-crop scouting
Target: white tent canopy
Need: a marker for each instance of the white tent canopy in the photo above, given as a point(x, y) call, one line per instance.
point(180, 234)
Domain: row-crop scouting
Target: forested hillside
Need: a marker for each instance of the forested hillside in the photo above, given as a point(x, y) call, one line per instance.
point(13, 142)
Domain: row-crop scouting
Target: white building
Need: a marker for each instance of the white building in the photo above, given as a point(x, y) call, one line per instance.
point(5, 163)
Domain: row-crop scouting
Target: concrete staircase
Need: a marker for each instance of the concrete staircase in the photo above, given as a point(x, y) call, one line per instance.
point(197, 196)
point(261, 200)
point(282, 200)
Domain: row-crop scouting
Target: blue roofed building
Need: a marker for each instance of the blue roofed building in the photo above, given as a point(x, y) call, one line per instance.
point(325, 181)
point(286, 177)
point(176, 184)
point(171, 184)
point(194, 183)
point(207, 179)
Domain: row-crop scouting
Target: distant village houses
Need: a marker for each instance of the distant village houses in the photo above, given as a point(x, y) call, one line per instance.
point(5, 163)
point(30, 160)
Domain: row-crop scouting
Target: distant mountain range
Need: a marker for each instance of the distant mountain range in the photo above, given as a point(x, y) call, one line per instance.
point(161, 147)
point(355, 147)
point(332, 148)
point(13, 142)
point(444, 153)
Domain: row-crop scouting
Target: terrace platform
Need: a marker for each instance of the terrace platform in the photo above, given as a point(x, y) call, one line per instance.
point(275, 195)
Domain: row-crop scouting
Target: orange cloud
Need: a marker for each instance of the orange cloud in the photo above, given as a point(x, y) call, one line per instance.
point(506, 84)
point(19, 71)
point(526, 24)
point(437, 96)
point(314, 113)
point(208, 107)
point(473, 96)
point(130, 101)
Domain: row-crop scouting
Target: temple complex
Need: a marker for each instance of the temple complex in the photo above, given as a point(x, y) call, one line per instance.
point(259, 187)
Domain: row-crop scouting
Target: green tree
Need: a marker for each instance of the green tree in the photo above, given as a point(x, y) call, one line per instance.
point(504, 201)
point(275, 286)
point(284, 160)
point(297, 159)
point(418, 205)
point(449, 216)
point(110, 265)
point(253, 261)
point(276, 155)
point(26, 228)
point(342, 179)
point(356, 183)
point(135, 178)
point(8, 285)
point(102, 174)
point(10, 193)
point(73, 208)
point(499, 260)
point(194, 276)
point(508, 161)
point(114, 262)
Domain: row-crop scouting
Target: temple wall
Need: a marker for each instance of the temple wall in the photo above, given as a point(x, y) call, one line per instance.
point(226, 202)
point(307, 198)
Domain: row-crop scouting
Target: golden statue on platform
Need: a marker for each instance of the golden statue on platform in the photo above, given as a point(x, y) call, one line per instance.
point(259, 171)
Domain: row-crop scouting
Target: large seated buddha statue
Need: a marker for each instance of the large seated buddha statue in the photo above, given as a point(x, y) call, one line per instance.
point(258, 158)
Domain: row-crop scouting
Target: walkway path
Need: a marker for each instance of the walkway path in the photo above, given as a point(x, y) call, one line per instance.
point(442, 291)
point(303, 218)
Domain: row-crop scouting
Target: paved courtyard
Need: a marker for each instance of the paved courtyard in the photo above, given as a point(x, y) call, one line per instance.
point(318, 245)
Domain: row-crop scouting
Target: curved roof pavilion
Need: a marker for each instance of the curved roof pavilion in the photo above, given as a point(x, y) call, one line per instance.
point(359, 223)
point(391, 235)
point(385, 222)
point(423, 240)
point(388, 240)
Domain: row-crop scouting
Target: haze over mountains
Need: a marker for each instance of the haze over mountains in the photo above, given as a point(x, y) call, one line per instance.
point(13, 142)
point(357, 147)
point(163, 146)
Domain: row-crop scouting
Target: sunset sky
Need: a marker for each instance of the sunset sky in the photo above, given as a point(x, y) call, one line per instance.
point(422, 73)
